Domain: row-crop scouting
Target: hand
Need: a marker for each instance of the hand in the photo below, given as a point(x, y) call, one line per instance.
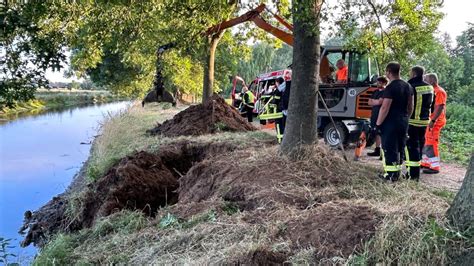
point(431, 125)
point(378, 129)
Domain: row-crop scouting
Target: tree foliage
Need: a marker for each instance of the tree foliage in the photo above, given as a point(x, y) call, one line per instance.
point(26, 50)
point(391, 30)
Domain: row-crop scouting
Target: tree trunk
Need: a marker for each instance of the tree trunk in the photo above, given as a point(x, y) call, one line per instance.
point(208, 85)
point(302, 111)
point(461, 212)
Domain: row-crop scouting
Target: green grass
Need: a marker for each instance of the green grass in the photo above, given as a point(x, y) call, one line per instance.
point(412, 241)
point(62, 249)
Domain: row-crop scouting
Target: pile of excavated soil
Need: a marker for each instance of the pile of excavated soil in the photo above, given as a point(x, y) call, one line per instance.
point(212, 116)
point(268, 180)
point(336, 228)
point(143, 181)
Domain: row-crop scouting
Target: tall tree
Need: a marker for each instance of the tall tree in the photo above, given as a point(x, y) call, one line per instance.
point(301, 128)
point(461, 212)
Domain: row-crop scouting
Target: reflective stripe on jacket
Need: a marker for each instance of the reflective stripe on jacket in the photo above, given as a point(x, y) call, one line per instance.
point(423, 97)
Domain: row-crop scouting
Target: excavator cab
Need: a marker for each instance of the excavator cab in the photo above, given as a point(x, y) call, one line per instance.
point(347, 101)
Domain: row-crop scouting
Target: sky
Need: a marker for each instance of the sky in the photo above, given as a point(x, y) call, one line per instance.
point(457, 14)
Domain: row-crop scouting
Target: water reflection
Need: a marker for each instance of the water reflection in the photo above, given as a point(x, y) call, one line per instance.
point(39, 155)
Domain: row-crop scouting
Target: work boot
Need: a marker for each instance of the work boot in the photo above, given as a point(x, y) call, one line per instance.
point(375, 153)
point(430, 171)
point(391, 176)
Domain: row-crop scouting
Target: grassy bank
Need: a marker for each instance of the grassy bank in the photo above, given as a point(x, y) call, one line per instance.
point(409, 217)
point(57, 99)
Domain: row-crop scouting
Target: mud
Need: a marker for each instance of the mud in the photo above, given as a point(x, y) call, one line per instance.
point(334, 229)
point(213, 116)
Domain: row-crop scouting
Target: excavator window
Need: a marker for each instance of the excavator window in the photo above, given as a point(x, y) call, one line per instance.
point(328, 67)
point(359, 69)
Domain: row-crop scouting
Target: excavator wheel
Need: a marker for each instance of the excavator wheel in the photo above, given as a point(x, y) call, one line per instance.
point(331, 137)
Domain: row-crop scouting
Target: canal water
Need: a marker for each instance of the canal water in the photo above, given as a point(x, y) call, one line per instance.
point(39, 155)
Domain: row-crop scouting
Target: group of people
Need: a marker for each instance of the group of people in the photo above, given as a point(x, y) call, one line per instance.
point(407, 118)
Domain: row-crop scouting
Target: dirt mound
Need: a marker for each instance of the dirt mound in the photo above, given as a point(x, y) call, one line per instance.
point(253, 179)
point(207, 118)
point(142, 181)
point(334, 229)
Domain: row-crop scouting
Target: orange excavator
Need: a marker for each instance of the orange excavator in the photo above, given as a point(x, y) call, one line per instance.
point(347, 102)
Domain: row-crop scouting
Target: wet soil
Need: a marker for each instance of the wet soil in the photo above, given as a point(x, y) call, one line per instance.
point(213, 116)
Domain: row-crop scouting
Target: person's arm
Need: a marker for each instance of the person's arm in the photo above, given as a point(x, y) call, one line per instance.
point(437, 112)
point(411, 103)
point(384, 111)
point(374, 102)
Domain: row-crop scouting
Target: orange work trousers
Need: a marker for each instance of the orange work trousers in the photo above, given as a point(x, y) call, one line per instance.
point(430, 157)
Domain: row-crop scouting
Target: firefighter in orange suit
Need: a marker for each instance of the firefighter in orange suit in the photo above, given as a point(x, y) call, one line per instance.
point(430, 160)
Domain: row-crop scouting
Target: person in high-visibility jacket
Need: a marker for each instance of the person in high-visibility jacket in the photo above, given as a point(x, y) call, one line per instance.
point(248, 101)
point(430, 160)
point(419, 120)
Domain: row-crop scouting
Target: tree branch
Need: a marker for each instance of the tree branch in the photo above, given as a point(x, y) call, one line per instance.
point(374, 9)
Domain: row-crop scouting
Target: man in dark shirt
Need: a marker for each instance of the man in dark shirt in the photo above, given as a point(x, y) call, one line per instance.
point(392, 122)
point(376, 103)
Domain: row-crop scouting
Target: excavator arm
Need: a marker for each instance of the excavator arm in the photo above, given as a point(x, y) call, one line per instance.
point(254, 15)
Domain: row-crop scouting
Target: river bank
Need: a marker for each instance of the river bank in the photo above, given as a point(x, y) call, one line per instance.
point(228, 197)
point(39, 155)
point(58, 99)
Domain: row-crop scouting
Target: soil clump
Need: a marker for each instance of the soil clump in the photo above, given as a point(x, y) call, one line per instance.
point(335, 228)
point(213, 116)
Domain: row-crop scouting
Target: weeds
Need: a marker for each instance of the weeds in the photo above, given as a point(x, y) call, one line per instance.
point(64, 249)
point(4, 253)
point(170, 220)
point(409, 240)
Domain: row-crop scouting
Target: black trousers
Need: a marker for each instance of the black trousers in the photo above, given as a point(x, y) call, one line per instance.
point(281, 122)
point(415, 143)
point(249, 113)
point(394, 135)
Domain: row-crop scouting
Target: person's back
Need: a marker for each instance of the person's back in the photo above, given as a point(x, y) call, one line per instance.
point(419, 120)
point(392, 121)
point(399, 91)
point(422, 101)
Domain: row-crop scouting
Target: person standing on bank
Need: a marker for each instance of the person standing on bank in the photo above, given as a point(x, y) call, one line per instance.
point(430, 157)
point(418, 122)
point(392, 121)
point(376, 103)
point(248, 102)
point(284, 90)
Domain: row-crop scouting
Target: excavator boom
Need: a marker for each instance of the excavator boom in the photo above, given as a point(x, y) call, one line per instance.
point(254, 15)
